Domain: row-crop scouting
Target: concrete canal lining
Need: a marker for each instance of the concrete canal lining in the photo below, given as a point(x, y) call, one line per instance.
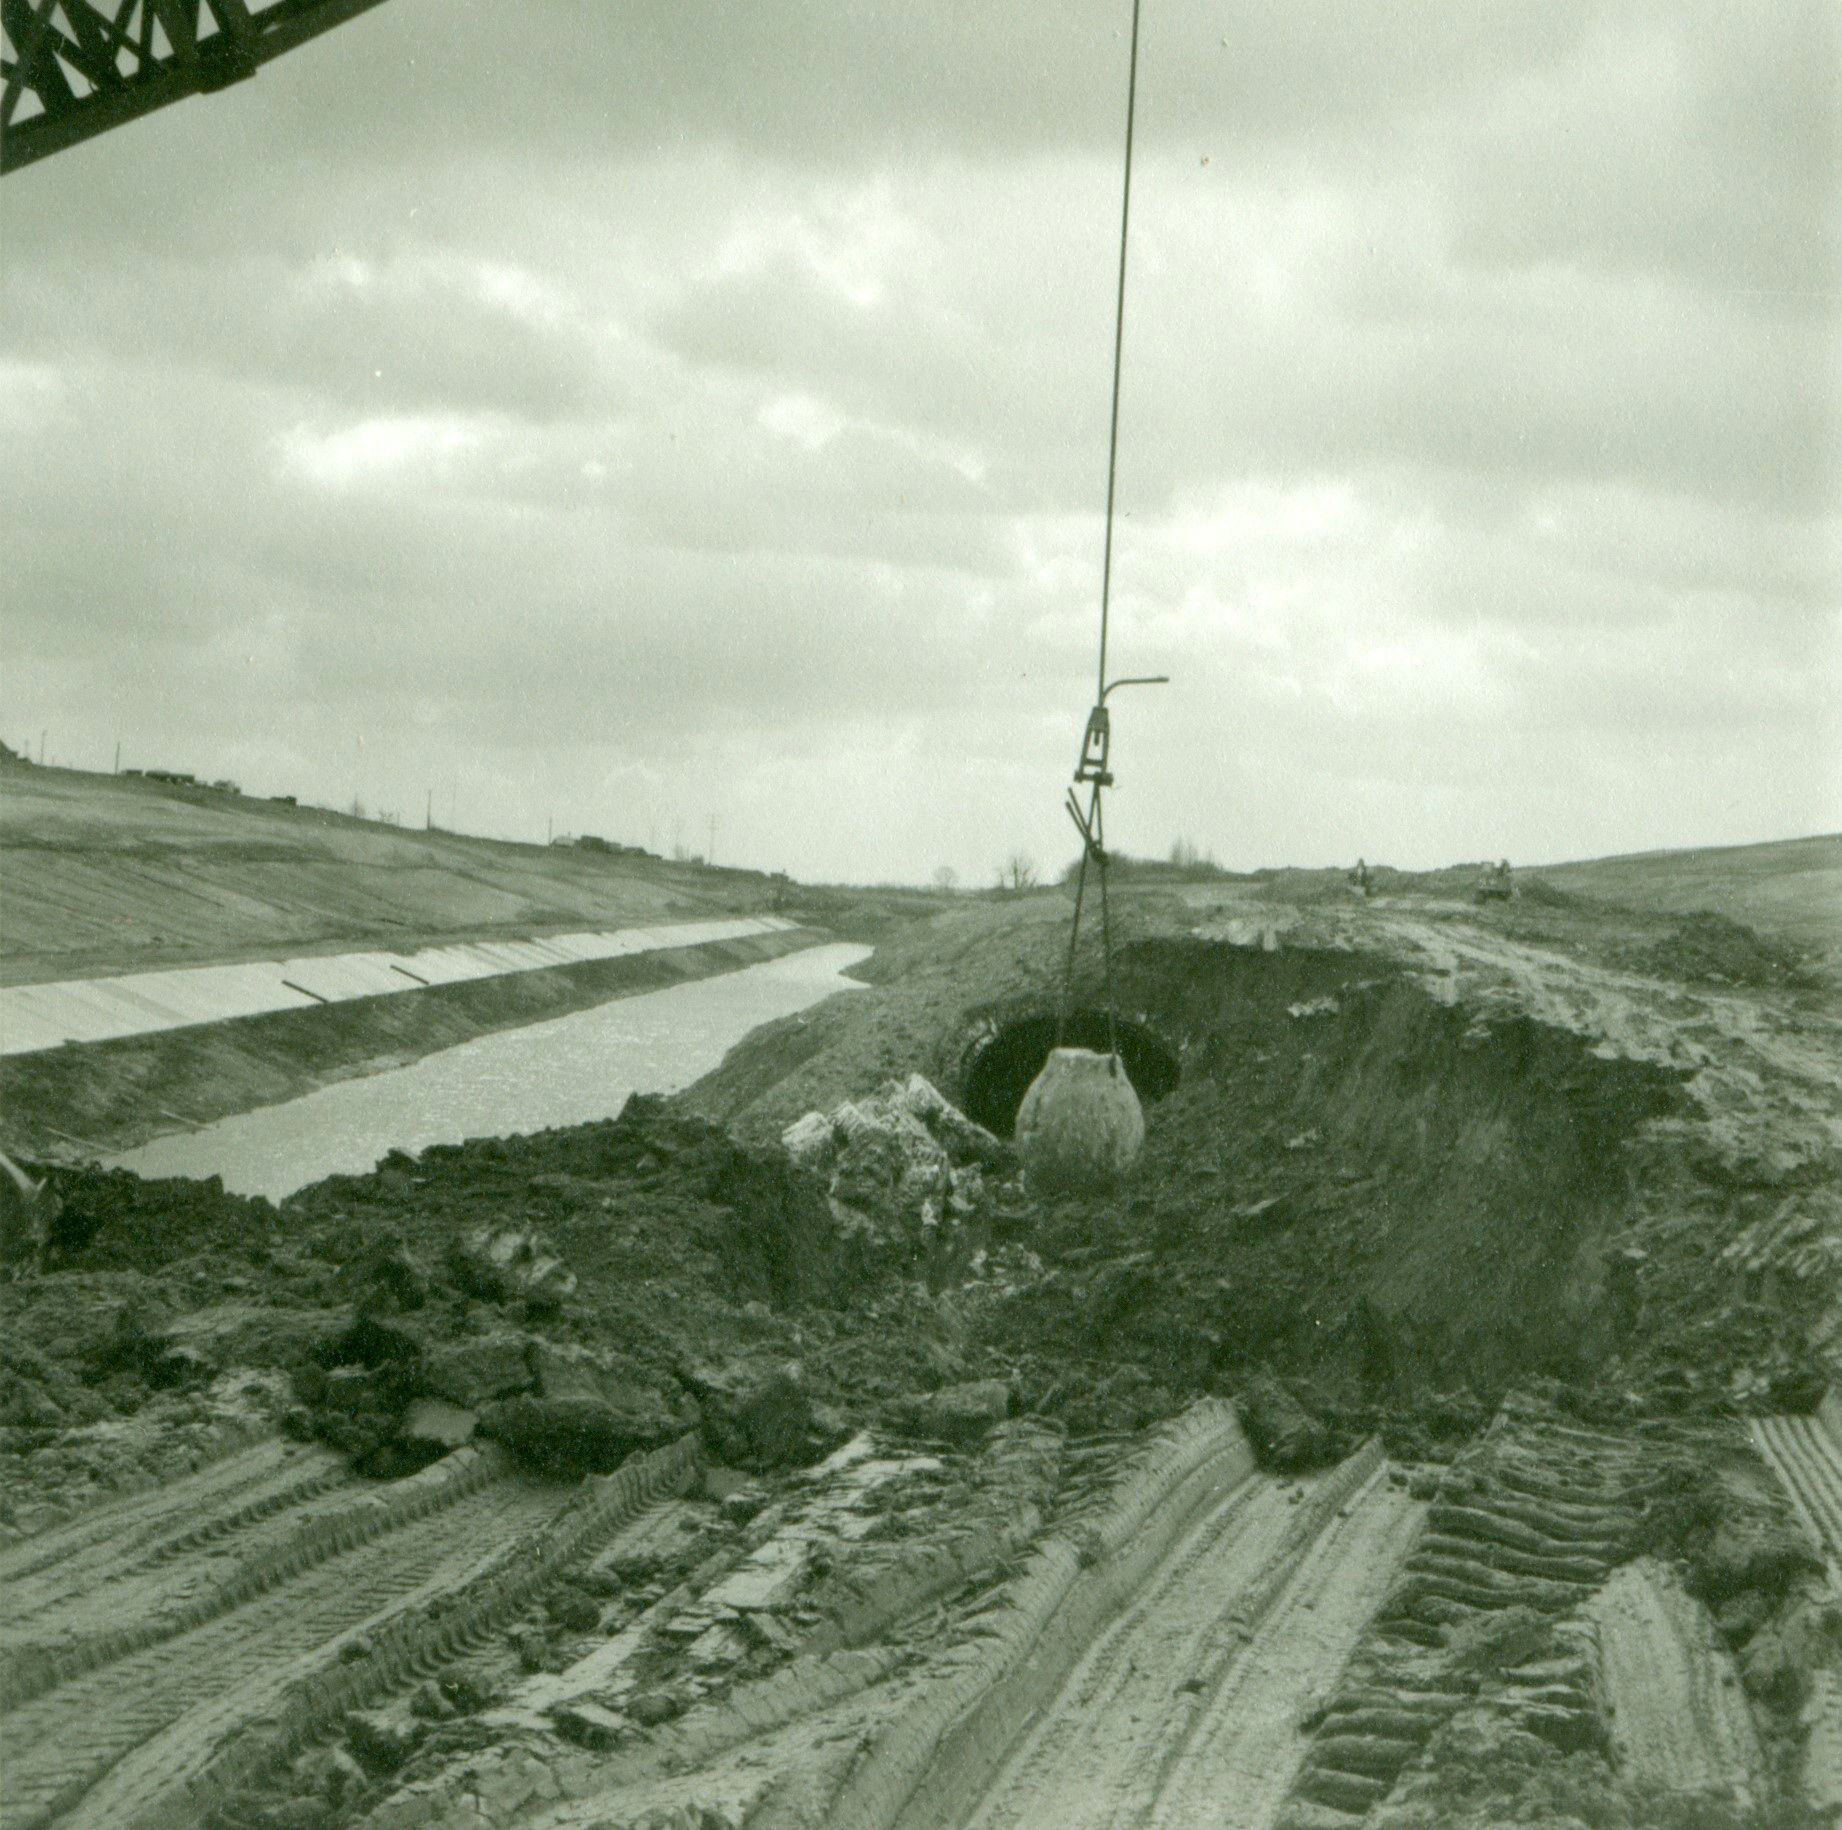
point(46, 1016)
point(92, 1099)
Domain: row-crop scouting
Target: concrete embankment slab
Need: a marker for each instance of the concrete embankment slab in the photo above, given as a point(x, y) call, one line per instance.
point(38, 1017)
point(100, 1097)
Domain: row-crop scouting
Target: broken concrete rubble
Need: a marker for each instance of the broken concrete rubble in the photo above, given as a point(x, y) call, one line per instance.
point(903, 1159)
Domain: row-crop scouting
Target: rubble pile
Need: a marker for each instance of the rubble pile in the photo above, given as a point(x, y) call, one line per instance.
point(901, 1164)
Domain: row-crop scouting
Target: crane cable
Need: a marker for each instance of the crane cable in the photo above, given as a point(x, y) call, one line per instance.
point(1119, 339)
point(1092, 769)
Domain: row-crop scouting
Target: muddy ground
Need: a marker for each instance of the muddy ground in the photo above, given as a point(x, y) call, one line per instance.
point(1435, 1431)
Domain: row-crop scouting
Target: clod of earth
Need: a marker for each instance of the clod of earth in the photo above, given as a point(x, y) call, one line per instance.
point(569, 1436)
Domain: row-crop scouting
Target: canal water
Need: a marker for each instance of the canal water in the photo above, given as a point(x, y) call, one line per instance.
point(566, 1071)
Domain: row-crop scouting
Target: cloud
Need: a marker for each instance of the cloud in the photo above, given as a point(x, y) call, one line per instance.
point(705, 408)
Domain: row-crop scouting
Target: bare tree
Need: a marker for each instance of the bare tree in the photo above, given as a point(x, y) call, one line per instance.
point(1018, 872)
point(946, 879)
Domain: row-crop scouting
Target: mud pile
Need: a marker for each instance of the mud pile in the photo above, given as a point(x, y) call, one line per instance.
point(576, 1296)
point(1401, 1205)
point(1716, 950)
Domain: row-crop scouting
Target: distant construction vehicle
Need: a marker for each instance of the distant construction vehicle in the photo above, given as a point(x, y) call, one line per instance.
point(1495, 885)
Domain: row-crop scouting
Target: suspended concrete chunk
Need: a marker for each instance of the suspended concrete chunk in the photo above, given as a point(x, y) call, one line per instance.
point(1080, 1127)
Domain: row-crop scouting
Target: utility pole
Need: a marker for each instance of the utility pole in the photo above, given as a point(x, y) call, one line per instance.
point(550, 829)
point(41, 749)
point(118, 756)
point(428, 813)
point(710, 855)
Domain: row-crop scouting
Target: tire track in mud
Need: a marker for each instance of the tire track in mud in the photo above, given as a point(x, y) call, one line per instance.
point(1535, 1519)
point(1805, 1455)
point(769, 1749)
point(1808, 1460)
point(138, 1739)
point(1169, 1678)
point(272, 1531)
point(1678, 1717)
point(111, 1539)
point(949, 1734)
point(70, 1589)
point(1074, 1764)
point(1161, 1718)
point(1243, 1755)
point(61, 1743)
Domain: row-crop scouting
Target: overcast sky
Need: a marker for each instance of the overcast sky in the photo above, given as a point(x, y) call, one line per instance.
point(661, 411)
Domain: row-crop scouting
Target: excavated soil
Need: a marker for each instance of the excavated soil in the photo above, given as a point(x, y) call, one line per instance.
point(1433, 1433)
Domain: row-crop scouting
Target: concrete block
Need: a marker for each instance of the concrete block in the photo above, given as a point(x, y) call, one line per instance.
point(1080, 1127)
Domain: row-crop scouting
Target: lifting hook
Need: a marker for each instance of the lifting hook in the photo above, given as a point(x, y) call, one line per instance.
point(1098, 738)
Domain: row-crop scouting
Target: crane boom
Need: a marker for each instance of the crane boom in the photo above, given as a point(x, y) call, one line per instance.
point(73, 69)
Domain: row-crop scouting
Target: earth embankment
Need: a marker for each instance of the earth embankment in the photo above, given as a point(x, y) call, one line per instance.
point(1409, 1146)
point(112, 874)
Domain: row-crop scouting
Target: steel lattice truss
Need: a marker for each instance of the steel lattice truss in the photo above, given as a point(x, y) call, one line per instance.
point(76, 68)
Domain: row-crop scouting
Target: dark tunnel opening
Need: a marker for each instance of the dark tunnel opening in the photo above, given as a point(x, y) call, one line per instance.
point(1002, 1067)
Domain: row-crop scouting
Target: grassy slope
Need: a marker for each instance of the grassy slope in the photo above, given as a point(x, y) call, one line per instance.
point(109, 874)
point(1792, 888)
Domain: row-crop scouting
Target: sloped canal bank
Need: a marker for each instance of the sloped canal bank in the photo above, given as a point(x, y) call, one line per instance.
point(76, 1103)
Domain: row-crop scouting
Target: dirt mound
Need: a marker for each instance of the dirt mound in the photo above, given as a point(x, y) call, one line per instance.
point(1705, 948)
point(1353, 1184)
point(1543, 894)
point(575, 1294)
point(1411, 1160)
point(112, 1220)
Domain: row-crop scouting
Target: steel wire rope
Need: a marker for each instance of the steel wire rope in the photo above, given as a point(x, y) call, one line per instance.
point(1092, 826)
